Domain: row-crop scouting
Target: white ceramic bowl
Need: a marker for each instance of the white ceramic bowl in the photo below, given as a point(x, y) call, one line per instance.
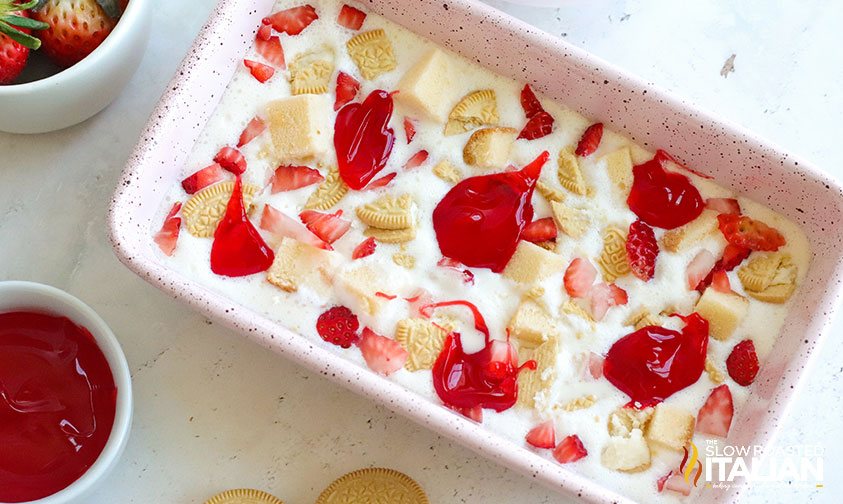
point(43, 298)
point(77, 93)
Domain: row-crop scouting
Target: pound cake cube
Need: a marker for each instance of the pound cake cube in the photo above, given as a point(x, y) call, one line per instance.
point(531, 263)
point(532, 325)
point(299, 264)
point(723, 310)
point(670, 427)
point(300, 127)
point(361, 284)
point(677, 239)
point(426, 90)
point(627, 454)
point(489, 148)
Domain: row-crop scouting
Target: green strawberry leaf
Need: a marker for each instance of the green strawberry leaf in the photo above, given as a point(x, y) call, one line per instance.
point(111, 8)
point(20, 37)
point(23, 22)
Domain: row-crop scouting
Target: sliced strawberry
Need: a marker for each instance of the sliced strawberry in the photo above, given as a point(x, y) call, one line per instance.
point(289, 178)
point(720, 282)
point(595, 365)
point(351, 18)
point(420, 304)
point(590, 140)
point(278, 223)
point(292, 21)
point(255, 127)
point(723, 205)
point(642, 250)
point(530, 103)
point(733, 256)
point(380, 182)
point(382, 355)
point(167, 237)
point(539, 230)
point(416, 160)
point(677, 483)
point(259, 71)
point(699, 267)
point(603, 296)
point(715, 416)
point(447, 262)
point(579, 277)
point(662, 156)
point(661, 481)
point(231, 159)
point(203, 178)
point(328, 227)
point(409, 128)
point(570, 449)
point(366, 248)
point(264, 32)
point(473, 413)
point(347, 88)
point(271, 51)
point(542, 435)
point(750, 233)
point(742, 363)
point(338, 326)
point(537, 126)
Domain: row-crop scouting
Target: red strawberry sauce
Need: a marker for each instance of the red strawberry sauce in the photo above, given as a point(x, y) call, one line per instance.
point(470, 380)
point(57, 404)
point(480, 220)
point(362, 138)
point(652, 363)
point(238, 248)
point(661, 198)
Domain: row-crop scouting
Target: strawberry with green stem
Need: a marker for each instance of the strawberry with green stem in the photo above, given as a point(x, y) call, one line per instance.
point(15, 40)
point(75, 27)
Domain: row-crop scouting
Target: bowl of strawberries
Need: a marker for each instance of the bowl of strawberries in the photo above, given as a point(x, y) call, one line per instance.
point(62, 61)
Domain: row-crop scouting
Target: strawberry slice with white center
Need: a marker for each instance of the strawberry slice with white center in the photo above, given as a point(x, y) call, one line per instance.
point(699, 267)
point(231, 159)
point(715, 416)
point(259, 71)
point(677, 483)
point(292, 21)
point(720, 282)
point(167, 237)
point(579, 277)
point(603, 296)
point(255, 127)
point(290, 178)
point(416, 160)
point(264, 32)
point(351, 18)
point(329, 227)
point(347, 88)
point(539, 230)
point(570, 449)
point(278, 223)
point(203, 178)
point(382, 355)
point(542, 435)
point(366, 248)
point(723, 205)
point(271, 51)
point(595, 365)
point(409, 128)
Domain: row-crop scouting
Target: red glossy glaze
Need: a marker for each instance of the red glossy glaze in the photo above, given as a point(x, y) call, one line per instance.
point(653, 363)
point(362, 138)
point(480, 220)
point(238, 248)
point(57, 404)
point(661, 198)
point(484, 379)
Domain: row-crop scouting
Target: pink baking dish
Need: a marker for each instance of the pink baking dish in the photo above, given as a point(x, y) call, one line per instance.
point(597, 89)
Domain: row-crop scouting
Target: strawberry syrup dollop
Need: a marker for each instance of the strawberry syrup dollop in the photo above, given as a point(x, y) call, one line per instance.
point(362, 138)
point(480, 220)
point(238, 248)
point(485, 379)
point(661, 198)
point(653, 363)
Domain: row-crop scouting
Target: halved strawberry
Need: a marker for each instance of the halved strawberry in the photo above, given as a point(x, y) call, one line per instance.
point(677, 483)
point(733, 256)
point(167, 237)
point(642, 250)
point(723, 205)
point(329, 227)
point(473, 413)
point(542, 435)
point(579, 277)
point(529, 102)
point(278, 223)
point(660, 482)
point(339, 326)
point(603, 296)
point(264, 32)
point(366, 248)
point(271, 51)
point(382, 355)
point(289, 178)
point(259, 71)
point(537, 126)
point(292, 21)
point(539, 230)
point(351, 18)
point(590, 140)
point(255, 127)
point(742, 363)
point(715, 416)
point(416, 160)
point(447, 262)
point(570, 449)
point(720, 282)
point(595, 365)
point(202, 178)
point(380, 182)
point(699, 267)
point(409, 128)
point(750, 233)
point(231, 159)
point(347, 88)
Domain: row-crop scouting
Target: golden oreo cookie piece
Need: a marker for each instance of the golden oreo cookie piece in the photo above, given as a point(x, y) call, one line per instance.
point(404, 260)
point(612, 261)
point(572, 221)
point(770, 278)
point(310, 72)
point(388, 212)
point(328, 193)
point(392, 235)
point(374, 486)
point(475, 109)
point(204, 210)
point(372, 52)
point(244, 496)
point(422, 339)
point(533, 381)
point(447, 172)
point(570, 172)
point(551, 194)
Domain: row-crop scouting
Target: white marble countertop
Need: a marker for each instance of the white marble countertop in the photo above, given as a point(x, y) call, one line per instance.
point(213, 411)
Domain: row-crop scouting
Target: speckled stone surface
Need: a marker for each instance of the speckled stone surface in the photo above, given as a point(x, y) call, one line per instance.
point(214, 411)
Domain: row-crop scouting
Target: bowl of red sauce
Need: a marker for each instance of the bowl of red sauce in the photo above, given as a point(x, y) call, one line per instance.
point(65, 396)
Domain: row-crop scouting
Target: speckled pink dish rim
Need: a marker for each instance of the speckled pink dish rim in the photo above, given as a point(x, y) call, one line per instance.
point(647, 114)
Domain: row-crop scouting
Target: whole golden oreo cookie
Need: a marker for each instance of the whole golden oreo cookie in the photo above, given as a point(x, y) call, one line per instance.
point(374, 486)
point(204, 210)
point(244, 496)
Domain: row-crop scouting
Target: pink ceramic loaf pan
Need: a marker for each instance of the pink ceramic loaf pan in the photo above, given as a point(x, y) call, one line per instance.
point(648, 115)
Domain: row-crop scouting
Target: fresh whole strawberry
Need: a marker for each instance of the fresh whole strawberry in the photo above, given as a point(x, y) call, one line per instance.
point(642, 250)
point(76, 27)
point(15, 40)
point(742, 363)
point(339, 326)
